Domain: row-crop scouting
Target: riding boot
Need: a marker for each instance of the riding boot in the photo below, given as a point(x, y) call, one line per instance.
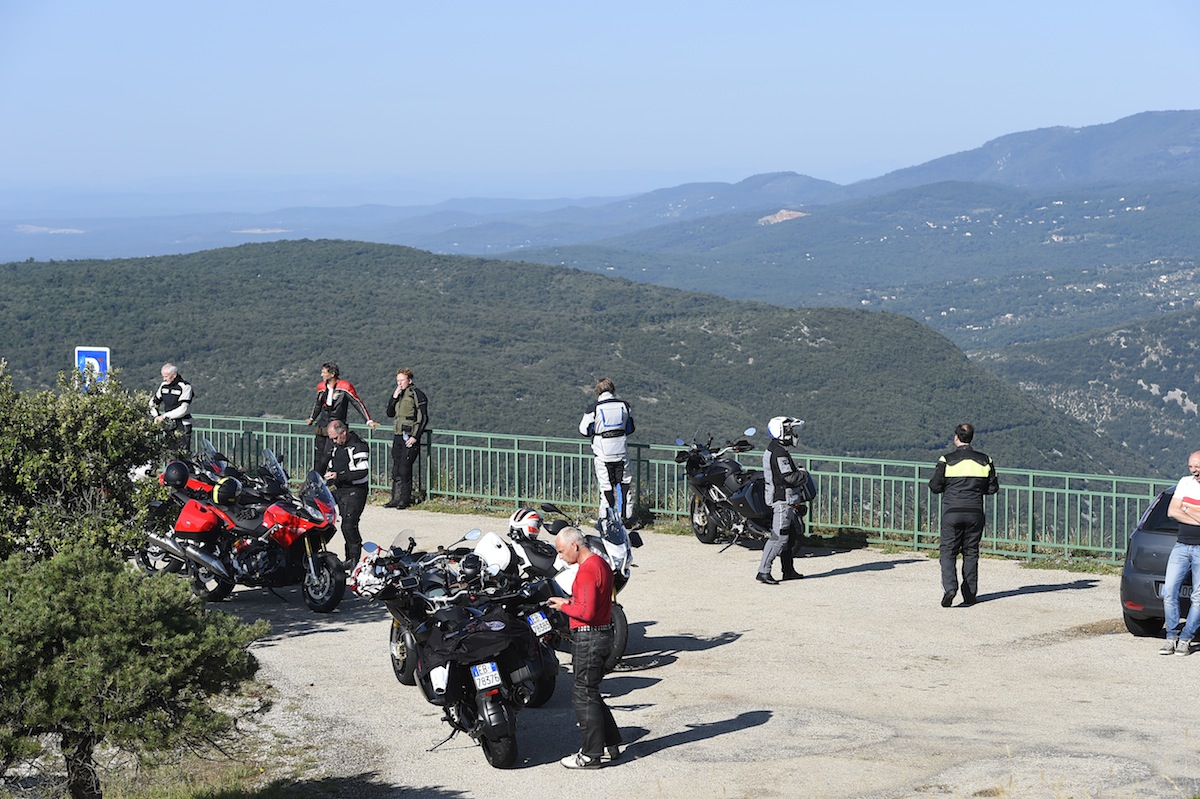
point(789, 570)
point(352, 554)
point(394, 502)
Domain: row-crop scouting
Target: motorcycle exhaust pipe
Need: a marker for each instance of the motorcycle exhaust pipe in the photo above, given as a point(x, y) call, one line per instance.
point(167, 544)
point(204, 559)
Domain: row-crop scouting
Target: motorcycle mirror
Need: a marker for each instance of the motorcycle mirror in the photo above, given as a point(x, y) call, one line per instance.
point(473, 535)
point(370, 547)
point(550, 507)
point(681, 456)
point(750, 431)
point(678, 441)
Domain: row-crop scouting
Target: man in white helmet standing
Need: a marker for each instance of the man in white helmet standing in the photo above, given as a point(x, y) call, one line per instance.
point(783, 478)
point(608, 422)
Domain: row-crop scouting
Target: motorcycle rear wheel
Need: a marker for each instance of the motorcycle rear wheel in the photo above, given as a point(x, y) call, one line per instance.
point(325, 593)
point(704, 523)
point(207, 585)
point(404, 660)
point(620, 638)
point(500, 752)
point(543, 689)
point(154, 560)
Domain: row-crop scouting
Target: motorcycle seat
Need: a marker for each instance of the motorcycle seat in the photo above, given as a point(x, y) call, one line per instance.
point(541, 557)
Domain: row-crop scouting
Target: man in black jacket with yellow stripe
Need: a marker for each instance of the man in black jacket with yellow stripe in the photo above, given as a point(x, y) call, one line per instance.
point(962, 477)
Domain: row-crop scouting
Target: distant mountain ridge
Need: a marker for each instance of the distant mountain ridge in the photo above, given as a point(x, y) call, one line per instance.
point(1147, 148)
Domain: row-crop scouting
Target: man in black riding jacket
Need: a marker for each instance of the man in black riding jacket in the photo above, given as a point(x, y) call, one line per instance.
point(963, 477)
point(172, 408)
point(348, 471)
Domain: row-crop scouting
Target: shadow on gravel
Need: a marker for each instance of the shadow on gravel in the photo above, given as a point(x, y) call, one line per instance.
point(360, 786)
point(873, 566)
point(650, 652)
point(289, 616)
point(698, 732)
point(1075, 585)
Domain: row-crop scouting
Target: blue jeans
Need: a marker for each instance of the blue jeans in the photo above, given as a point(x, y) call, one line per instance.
point(1184, 558)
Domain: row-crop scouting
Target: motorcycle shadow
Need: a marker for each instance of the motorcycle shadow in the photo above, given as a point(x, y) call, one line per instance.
point(289, 616)
point(810, 547)
point(647, 652)
point(550, 732)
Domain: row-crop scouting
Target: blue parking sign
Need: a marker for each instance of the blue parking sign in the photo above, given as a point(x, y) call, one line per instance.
point(96, 358)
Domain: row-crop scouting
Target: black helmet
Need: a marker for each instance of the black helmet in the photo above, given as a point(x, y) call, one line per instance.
point(470, 567)
point(226, 491)
point(176, 474)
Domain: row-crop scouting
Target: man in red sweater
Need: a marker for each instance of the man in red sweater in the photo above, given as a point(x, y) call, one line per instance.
point(590, 612)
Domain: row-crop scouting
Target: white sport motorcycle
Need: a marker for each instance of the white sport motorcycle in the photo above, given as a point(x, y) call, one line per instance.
point(532, 559)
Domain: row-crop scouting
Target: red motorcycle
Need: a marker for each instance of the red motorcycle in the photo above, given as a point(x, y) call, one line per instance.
point(194, 478)
point(234, 538)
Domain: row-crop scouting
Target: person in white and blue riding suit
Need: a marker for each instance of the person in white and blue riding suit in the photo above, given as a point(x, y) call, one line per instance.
point(782, 477)
point(608, 423)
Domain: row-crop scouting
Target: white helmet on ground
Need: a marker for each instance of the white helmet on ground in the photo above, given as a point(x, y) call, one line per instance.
point(785, 428)
point(525, 521)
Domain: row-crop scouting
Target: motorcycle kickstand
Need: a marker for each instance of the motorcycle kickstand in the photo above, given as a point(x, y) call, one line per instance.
point(453, 732)
point(271, 591)
point(732, 541)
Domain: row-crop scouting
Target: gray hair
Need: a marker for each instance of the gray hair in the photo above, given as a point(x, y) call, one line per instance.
point(170, 369)
point(572, 535)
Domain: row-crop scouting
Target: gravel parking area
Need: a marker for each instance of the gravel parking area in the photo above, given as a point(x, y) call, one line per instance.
point(853, 682)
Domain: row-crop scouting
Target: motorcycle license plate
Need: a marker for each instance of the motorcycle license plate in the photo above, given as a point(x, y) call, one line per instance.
point(538, 621)
point(485, 675)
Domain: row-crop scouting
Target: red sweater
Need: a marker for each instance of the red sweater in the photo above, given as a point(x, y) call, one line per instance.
point(591, 594)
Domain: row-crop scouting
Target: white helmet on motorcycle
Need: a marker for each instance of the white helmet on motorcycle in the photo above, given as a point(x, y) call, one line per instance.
point(785, 428)
point(525, 522)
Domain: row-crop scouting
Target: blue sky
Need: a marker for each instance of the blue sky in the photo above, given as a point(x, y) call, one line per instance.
point(411, 100)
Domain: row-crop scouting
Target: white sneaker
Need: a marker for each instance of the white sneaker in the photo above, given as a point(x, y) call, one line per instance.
point(1183, 647)
point(579, 760)
point(1169, 647)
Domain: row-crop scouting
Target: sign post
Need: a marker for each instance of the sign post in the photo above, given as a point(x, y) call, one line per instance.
point(94, 359)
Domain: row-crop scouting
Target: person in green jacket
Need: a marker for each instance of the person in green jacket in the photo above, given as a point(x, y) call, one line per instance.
point(410, 408)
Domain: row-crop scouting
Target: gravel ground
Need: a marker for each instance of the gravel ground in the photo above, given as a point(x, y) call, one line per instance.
point(853, 682)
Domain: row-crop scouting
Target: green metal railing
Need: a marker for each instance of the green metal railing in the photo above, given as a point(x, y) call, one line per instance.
point(1036, 514)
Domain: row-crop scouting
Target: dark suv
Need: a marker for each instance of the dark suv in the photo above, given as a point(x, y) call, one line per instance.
point(1146, 567)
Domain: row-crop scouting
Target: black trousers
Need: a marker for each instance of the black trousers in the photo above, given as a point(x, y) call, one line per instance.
point(962, 531)
point(404, 466)
point(351, 501)
point(320, 453)
point(589, 648)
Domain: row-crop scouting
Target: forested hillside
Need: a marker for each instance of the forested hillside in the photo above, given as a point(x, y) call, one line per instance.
point(1137, 383)
point(511, 347)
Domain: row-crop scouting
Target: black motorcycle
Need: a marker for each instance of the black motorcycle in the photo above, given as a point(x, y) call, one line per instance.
point(725, 498)
point(476, 655)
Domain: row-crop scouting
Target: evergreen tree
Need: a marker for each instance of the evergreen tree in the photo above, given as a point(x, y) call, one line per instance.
point(91, 651)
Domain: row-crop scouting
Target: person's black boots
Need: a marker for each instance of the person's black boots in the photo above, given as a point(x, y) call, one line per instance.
point(789, 571)
point(394, 502)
